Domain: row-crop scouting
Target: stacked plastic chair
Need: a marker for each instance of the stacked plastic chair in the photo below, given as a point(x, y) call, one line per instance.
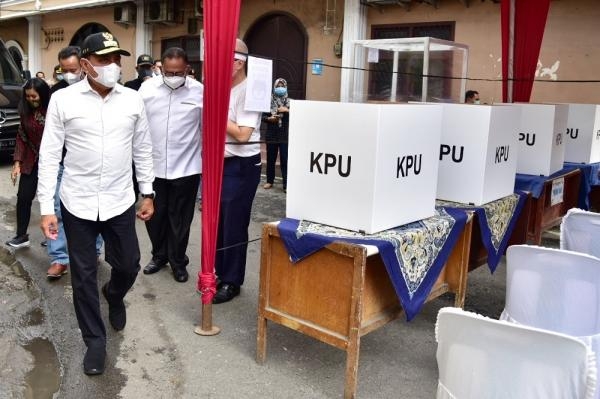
point(556, 290)
point(580, 232)
point(482, 358)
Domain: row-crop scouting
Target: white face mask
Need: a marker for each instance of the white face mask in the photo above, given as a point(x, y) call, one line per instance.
point(477, 102)
point(71, 78)
point(108, 75)
point(174, 82)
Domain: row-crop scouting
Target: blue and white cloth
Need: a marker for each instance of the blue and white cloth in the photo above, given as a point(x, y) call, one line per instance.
point(497, 220)
point(414, 254)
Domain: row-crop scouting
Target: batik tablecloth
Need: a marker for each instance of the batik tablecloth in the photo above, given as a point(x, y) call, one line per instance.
point(535, 184)
point(497, 220)
point(413, 254)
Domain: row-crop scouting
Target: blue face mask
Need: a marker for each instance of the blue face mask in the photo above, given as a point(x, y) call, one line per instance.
point(280, 91)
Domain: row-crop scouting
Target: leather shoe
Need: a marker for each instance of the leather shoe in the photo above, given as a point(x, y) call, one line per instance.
point(117, 315)
point(225, 293)
point(153, 266)
point(56, 271)
point(180, 275)
point(93, 361)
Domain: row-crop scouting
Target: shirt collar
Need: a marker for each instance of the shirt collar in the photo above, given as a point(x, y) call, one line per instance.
point(85, 87)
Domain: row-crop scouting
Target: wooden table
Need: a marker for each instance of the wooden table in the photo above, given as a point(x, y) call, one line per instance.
point(340, 293)
point(542, 215)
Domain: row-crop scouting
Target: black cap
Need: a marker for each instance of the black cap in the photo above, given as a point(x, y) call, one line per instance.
point(145, 59)
point(101, 43)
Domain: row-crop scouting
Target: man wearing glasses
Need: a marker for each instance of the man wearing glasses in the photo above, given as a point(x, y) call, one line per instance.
point(174, 108)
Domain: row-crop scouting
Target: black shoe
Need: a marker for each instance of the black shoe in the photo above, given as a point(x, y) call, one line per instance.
point(117, 315)
point(225, 293)
point(19, 241)
point(180, 275)
point(153, 266)
point(44, 243)
point(93, 361)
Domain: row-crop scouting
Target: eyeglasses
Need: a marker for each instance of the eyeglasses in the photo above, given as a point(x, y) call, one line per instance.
point(171, 74)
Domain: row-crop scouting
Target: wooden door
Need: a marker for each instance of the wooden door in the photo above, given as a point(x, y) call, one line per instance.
point(282, 38)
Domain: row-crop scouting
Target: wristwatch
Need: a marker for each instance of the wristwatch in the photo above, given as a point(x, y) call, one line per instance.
point(151, 195)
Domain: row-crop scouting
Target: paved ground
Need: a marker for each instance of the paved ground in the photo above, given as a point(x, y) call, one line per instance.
point(159, 356)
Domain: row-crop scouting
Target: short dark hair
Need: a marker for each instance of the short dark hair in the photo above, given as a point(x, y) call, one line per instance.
point(470, 94)
point(174, 52)
point(42, 88)
point(68, 52)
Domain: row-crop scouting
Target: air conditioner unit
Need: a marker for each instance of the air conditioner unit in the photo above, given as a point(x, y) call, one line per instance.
point(160, 11)
point(125, 14)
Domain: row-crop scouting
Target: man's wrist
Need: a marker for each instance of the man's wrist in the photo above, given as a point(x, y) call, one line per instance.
point(149, 195)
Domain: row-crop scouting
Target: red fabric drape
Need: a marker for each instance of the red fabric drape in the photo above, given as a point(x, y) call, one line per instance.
point(529, 23)
point(220, 31)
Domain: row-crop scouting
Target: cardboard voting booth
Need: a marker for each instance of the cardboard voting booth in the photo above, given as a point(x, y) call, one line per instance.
point(541, 134)
point(478, 153)
point(582, 136)
point(362, 167)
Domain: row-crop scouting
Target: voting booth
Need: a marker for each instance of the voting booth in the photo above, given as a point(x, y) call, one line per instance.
point(362, 167)
point(478, 153)
point(583, 133)
point(541, 149)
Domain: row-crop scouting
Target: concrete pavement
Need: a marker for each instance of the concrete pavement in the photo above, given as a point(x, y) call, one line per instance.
point(159, 356)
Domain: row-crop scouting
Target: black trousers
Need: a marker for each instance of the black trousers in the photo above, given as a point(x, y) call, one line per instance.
point(169, 228)
point(122, 252)
point(241, 176)
point(272, 150)
point(25, 195)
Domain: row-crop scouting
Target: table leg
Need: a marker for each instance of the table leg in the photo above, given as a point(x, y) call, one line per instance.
point(261, 340)
point(352, 353)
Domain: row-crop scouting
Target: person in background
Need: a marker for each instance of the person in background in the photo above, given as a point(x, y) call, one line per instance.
point(144, 71)
point(41, 75)
point(32, 112)
point(103, 126)
point(471, 97)
point(278, 121)
point(68, 65)
point(241, 176)
point(174, 109)
point(157, 68)
point(56, 76)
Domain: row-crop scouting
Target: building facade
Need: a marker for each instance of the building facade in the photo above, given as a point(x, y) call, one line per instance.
point(306, 38)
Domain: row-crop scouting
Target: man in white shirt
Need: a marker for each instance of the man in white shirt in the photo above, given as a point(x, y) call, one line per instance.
point(103, 127)
point(241, 175)
point(174, 108)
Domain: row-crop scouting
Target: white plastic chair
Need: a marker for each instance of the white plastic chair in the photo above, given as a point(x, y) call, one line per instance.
point(556, 290)
point(580, 232)
point(481, 358)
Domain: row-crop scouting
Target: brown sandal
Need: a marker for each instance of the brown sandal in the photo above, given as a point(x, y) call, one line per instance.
point(267, 186)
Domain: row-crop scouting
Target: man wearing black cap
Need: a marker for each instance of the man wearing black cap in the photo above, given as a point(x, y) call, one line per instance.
point(104, 128)
point(144, 70)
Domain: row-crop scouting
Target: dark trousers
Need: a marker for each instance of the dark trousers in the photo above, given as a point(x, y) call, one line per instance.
point(241, 176)
point(25, 195)
point(169, 228)
point(272, 150)
point(122, 252)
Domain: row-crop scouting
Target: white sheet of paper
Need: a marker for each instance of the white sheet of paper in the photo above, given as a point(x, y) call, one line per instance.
point(258, 89)
point(373, 55)
point(558, 189)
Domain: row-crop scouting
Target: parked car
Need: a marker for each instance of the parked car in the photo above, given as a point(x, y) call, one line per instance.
point(11, 90)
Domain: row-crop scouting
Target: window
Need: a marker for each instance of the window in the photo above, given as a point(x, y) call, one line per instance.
point(410, 65)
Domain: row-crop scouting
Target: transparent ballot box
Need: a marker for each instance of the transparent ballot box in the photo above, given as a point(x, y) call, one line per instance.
point(410, 69)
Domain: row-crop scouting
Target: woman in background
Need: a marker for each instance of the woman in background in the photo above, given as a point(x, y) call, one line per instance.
point(277, 132)
point(32, 111)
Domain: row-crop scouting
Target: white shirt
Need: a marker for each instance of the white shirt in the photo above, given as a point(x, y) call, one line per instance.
point(175, 118)
point(102, 137)
point(239, 115)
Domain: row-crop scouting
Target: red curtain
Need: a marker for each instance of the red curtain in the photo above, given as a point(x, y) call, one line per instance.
point(528, 30)
point(220, 31)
